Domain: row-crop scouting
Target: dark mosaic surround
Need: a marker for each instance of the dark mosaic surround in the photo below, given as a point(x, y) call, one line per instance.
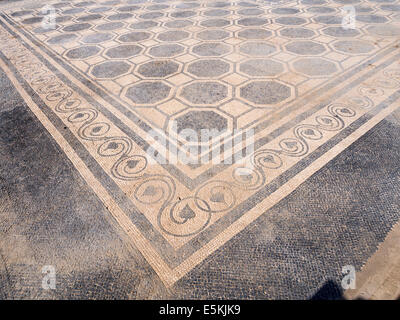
point(337, 217)
point(55, 218)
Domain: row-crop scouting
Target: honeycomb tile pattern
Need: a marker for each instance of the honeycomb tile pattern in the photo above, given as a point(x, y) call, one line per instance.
point(234, 57)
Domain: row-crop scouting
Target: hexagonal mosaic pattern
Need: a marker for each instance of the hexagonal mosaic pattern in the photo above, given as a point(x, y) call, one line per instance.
point(169, 56)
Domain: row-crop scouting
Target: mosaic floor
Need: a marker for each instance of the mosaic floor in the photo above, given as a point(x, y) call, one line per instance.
point(288, 71)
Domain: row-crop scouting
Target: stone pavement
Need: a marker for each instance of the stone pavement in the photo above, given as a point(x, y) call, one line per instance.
point(80, 191)
point(380, 277)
